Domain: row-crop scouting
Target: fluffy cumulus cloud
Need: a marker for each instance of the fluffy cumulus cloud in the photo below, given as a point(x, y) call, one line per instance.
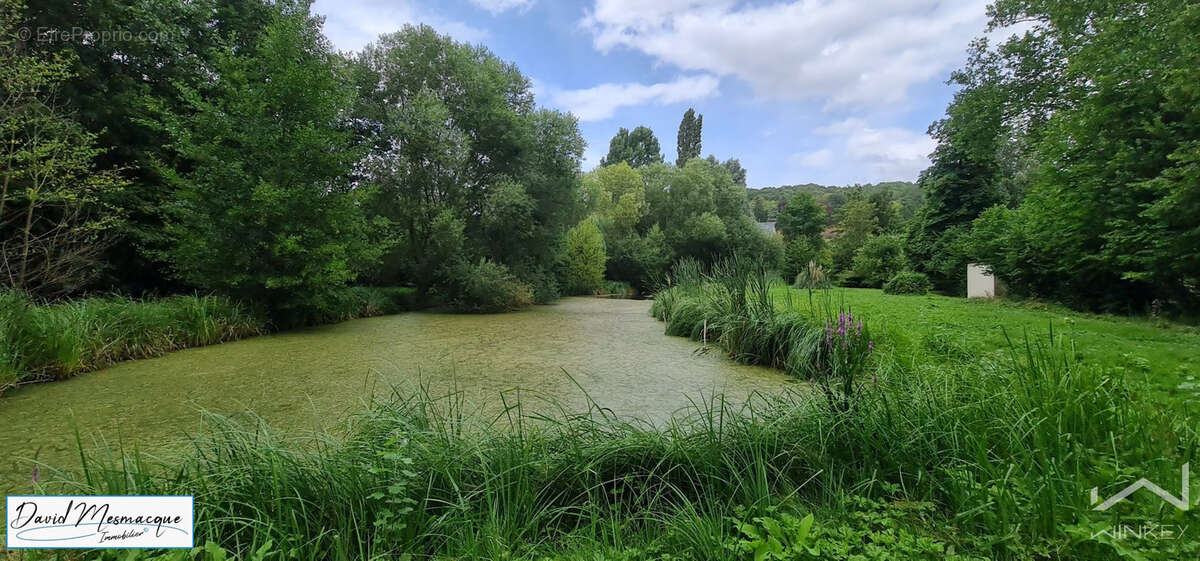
point(844, 53)
point(875, 154)
point(351, 25)
point(501, 6)
point(602, 102)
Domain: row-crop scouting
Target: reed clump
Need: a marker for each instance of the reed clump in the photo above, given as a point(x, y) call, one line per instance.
point(57, 341)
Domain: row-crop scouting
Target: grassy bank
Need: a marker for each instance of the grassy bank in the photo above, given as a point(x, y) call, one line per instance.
point(935, 329)
point(54, 342)
point(762, 324)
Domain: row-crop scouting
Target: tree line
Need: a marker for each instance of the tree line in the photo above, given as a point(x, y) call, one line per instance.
point(1068, 162)
point(1069, 159)
point(239, 153)
point(644, 214)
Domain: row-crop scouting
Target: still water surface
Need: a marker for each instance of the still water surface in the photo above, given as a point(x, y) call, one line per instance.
point(309, 379)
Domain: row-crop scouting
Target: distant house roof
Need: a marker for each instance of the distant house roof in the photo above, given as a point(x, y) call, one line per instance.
point(768, 227)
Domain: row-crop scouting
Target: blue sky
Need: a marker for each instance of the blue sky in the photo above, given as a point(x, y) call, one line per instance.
point(833, 92)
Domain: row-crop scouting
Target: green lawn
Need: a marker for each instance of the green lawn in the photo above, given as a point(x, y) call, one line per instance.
point(951, 329)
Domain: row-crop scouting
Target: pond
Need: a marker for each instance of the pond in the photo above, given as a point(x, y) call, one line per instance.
point(310, 379)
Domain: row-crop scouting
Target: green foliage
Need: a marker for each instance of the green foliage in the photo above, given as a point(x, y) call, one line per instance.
point(760, 210)
point(453, 129)
point(733, 307)
point(1105, 223)
point(746, 239)
point(857, 225)
point(865, 529)
point(878, 260)
point(261, 213)
point(119, 88)
point(802, 218)
point(908, 282)
point(736, 171)
point(887, 210)
point(484, 287)
point(656, 214)
point(906, 197)
point(418, 189)
point(638, 148)
point(799, 253)
point(585, 258)
point(62, 340)
point(56, 218)
point(367, 301)
point(688, 140)
point(775, 535)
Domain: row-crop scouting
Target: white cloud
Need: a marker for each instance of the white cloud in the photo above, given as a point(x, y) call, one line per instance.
point(602, 102)
point(844, 53)
point(353, 24)
point(500, 6)
point(867, 154)
point(822, 158)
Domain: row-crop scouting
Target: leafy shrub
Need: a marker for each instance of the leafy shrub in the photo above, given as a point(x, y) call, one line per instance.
point(545, 284)
point(864, 528)
point(485, 287)
point(585, 258)
point(799, 253)
point(877, 260)
point(908, 282)
point(365, 301)
point(618, 289)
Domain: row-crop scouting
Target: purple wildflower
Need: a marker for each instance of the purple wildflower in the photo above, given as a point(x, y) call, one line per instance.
point(871, 345)
point(35, 474)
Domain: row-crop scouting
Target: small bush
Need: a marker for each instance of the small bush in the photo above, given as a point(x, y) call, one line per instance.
point(877, 260)
point(365, 301)
point(908, 282)
point(485, 287)
point(617, 289)
point(585, 256)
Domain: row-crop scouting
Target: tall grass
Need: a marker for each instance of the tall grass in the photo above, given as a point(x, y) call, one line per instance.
point(58, 341)
point(733, 306)
point(1003, 452)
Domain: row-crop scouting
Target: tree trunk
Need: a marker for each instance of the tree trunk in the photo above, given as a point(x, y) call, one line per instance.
point(25, 248)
